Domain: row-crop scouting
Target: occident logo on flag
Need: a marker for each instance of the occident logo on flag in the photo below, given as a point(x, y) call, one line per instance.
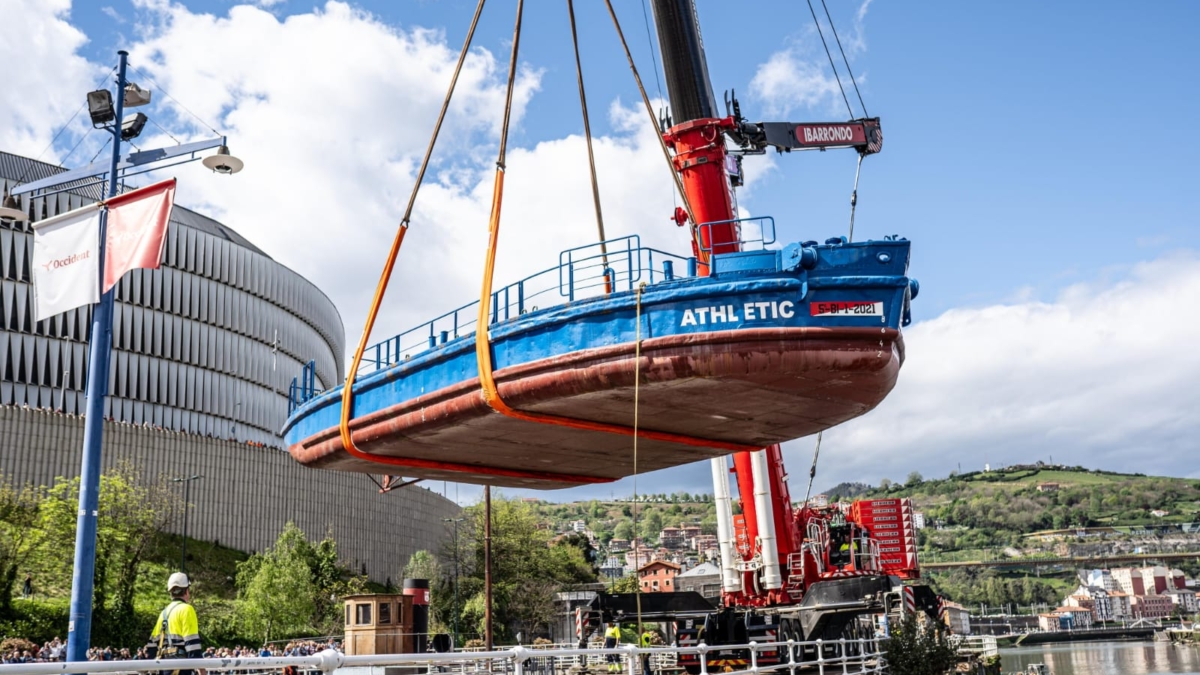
point(136, 231)
point(66, 248)
point(66, 262)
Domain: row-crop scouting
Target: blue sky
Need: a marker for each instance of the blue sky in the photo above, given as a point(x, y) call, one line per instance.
point(1039, 155)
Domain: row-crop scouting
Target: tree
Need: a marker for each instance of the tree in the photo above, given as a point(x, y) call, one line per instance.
point(19, 537)
point(885, 484)
point(651, 526)
point(275, 588)
point(914, 478)
point(626, 584)
point(527, 569)
point(920, 648)
point(624, 530)
point(423, 565)
point(132, 515)
point(330, 581)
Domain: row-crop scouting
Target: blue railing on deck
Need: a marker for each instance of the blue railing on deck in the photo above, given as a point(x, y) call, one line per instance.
point(754, 240)
point(582, 272)
point(303, 388)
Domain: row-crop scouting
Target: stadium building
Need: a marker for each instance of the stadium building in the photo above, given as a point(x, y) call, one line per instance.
point(203, 352)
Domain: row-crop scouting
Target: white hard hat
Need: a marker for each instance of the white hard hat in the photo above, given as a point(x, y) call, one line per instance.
point(178, 580)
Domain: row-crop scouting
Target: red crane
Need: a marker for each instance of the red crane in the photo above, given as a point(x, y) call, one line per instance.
point(774, 560)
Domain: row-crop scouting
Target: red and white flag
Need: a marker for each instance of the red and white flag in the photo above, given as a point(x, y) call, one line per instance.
point(137, 229)
point(66, 262)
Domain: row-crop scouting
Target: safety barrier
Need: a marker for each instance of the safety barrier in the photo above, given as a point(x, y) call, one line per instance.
point(830, 656)
point(583, 272)
point(977, 645)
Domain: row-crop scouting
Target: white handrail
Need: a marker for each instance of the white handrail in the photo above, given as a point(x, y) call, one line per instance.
point(863, 655)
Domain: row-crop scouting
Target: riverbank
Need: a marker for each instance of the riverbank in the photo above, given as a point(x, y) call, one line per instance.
point(1181, 636)
point(1093, 635)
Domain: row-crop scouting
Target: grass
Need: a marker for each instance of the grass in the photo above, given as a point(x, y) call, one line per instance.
point(212, 569)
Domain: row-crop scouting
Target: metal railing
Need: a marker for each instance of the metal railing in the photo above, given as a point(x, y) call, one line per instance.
point(977, 645)
point(863, 655)
point(582, 272)
point(765, 226)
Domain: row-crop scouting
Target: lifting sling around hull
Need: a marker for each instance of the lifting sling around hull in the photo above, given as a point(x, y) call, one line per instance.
point(771, 346)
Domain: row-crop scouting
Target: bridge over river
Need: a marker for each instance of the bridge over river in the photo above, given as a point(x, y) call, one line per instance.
point(1077, 561)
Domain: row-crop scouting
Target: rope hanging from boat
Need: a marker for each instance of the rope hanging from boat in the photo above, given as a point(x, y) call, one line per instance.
point(483, 351)
point(587, 134)
point(386, 276)
point(637, 382)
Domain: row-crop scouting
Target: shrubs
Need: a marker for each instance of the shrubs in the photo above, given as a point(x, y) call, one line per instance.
point(920, 648)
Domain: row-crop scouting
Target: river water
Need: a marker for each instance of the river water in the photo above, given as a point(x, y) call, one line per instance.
point(1105, 658)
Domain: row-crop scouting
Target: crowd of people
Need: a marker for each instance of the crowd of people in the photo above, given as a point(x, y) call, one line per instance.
point(297, 648)
point(56, 650)
point(23, 651)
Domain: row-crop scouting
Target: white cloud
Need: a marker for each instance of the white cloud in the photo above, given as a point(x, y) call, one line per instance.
point(44, 79)
point(798, 77)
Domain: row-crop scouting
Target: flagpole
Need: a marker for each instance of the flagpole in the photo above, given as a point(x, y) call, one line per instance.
point(79, 630)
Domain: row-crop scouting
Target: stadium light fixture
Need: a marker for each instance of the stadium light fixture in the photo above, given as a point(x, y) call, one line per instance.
point(132, 127)
point(223, 162)
point(136, 96)
point(100, 107)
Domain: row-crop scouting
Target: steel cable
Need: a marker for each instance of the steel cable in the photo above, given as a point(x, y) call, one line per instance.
point(831, 64)
point(845, 60)
point(687, 205)
point(587, 133)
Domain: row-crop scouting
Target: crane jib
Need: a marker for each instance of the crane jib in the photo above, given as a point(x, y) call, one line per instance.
point(865, 135)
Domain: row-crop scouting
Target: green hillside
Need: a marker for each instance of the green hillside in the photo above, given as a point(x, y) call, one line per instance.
point(1026, 499)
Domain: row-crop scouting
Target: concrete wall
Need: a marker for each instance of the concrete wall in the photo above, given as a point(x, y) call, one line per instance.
point(248, 492)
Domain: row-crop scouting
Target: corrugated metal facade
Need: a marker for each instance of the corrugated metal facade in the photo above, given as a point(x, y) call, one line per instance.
point(207, 344)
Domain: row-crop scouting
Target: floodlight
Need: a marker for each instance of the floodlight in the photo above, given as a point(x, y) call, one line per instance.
point(132, 127)
point(11, 211)
point(223, 162)
point(136, 96)
point(100, 107)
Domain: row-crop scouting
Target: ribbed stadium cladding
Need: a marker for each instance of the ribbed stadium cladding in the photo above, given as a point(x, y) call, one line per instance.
point(203, 349)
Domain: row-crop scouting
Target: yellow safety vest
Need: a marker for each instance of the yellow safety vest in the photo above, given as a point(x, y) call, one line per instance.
point(613, 632)
point(183, 631)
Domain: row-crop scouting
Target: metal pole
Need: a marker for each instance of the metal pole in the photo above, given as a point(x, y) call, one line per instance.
point(487, 567)
point(456, 582)
point(456, 521)
point(187, 503)
point(187, 511)
point(79, 627)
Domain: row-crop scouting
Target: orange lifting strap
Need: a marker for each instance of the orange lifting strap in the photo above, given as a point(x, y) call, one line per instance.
point(483, 352)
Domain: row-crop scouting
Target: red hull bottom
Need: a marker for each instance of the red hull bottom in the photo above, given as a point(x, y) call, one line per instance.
point(753, 387)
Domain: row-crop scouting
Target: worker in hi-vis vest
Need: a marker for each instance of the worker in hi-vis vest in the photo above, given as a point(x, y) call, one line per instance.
point(176, 634)
point(647, 641)
point(612, 638)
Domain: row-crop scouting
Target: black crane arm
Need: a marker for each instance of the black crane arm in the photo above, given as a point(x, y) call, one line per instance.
point(863, 135)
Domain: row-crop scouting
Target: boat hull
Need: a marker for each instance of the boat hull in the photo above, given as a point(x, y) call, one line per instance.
point(751, 387)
